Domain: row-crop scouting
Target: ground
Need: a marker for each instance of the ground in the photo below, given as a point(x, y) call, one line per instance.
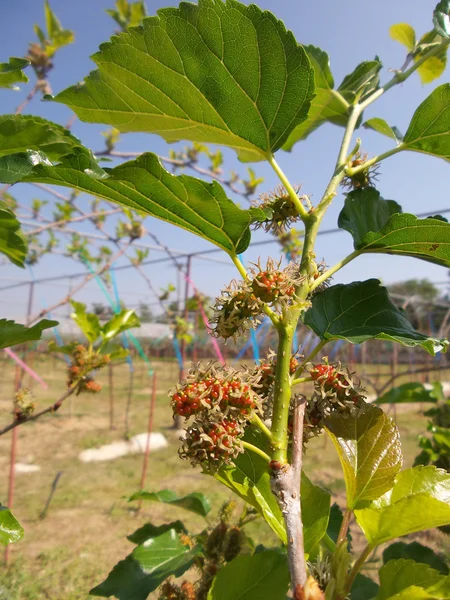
point(84, 532)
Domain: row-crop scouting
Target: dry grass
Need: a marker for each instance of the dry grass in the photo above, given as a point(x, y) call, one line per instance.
point(83, 535)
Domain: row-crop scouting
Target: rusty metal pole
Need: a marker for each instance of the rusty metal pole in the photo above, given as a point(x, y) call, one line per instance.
point(178, 424)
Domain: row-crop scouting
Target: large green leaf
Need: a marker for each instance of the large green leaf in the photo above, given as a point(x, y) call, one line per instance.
point(363, 311)
point(417, 552)
point(19, 133)
point(10, 529)
point(441, 18)
point(125, 319)
point(262, 576)
point(249, 478)
point(11, 72)
point(218, 72)
point(403, 579)
point(328, 104)
point(363, 588)
point(407, 235)
point(195, 502)
point(408, 392)
point(365, 211)
point(12, 333)
point(369, 449)
point(88, 322)
point(147, 567)
point(143, 184)
point(429, 130)
point(419, 500)
point(377, 227)
point(381, 126)
point(361, 81)
point(149, 530)
point(12, 244)
point(331, 105)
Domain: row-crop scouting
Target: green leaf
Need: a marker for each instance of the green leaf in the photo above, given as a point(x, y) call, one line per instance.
point(365, 211)
point(87, 322)
point(249, 478)
point(125, 319)
point(402, 579)
point(380, 126)
point(407, 235)
point(12, 333)
point(441, 18)
point(419, 500)
point(182, 75)
point(403, 33)
point(11, 72)
point(143, 184)
point(369, 449)
point(10, 529)
point(12, 244)
point(57, 36)
point(363, 80)
point(150, 531)
point(417, 552)
point(363, 588)
point(315, 502)
point(328, 104)
point(147, 567)
point(195, 502)
point(407, 392)
point(67, 349)
point(429, 130)
point(377, 227)
point(51, 21)
point(19, 133)
point(363, 311)
point(262, 576)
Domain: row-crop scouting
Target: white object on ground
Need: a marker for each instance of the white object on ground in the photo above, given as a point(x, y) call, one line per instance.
point(136, 445)
point(25, 468)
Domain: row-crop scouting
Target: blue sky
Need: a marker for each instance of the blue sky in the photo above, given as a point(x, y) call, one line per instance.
point(350, 32)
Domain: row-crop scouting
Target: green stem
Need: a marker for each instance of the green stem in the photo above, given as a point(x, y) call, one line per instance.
point(334, 268)
point(400, 76)
point(301, 380)
point(282, 393)
point(356, 568)
point(344, 525)
point(261, 425)
point(376, 159)
point(243, 271)
point(290, 190)
point(256, 450)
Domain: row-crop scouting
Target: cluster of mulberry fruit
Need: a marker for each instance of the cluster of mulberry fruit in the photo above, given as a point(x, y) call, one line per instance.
point(334, 391)
point(241, 305)
point(222, 401)
point(281, 211)
point(84, 362)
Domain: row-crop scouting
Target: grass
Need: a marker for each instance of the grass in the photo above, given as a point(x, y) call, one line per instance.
point(84, 533)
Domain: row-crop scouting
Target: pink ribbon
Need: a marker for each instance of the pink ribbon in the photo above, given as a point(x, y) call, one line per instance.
point(206, 322)
point(25, 367)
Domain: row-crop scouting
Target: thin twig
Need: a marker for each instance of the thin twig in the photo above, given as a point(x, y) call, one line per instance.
point(52, 408)
point(27, 100)
point(77, 288)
